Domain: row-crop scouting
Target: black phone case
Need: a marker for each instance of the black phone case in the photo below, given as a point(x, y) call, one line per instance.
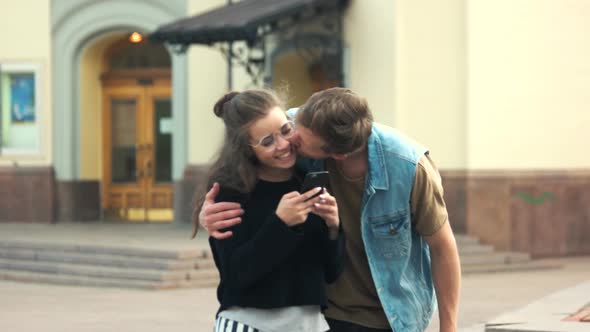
point(315, 179)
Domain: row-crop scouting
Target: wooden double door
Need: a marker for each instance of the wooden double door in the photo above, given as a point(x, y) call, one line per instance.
point(137, 151)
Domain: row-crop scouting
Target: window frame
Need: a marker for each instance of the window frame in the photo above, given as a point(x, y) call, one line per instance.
point(24, 68)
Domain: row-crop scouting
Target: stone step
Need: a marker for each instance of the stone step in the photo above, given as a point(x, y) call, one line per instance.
point(107, 250)
point(495, 258)
point(85, 281)
point(475, 249)
point(94, 271)
point(464, 239)
point(128, 267)
point(208, 274)
point(105, 259)
point(105, 266)
point(513, 267)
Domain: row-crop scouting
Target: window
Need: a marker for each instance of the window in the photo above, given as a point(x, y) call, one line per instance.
point(19, 109)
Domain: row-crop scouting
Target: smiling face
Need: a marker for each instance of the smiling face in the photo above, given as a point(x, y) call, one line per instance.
point(278, 157)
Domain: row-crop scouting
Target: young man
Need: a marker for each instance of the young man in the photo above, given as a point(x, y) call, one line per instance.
point(400, 247)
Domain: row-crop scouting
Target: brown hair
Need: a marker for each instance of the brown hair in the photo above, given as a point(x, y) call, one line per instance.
point(340, 117)
point(235, 165)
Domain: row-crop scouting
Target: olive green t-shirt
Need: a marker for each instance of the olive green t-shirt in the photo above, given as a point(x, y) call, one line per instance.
point(353, 297)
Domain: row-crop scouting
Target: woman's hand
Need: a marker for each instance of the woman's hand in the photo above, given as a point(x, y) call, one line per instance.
point(294, 207)
point(327, 208)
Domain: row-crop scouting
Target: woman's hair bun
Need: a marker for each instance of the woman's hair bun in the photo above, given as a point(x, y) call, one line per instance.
point(219, 107)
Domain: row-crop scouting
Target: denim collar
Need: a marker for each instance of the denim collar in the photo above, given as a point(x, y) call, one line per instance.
point(378, 178)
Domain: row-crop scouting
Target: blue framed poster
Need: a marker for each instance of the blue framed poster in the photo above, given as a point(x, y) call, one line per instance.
point(22, 98)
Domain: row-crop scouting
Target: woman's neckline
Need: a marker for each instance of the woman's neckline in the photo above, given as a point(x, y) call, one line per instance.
point(283, 175)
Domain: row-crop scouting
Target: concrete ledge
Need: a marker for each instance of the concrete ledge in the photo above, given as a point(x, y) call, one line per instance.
point(547, 314)
point(77, 200)
point(27, 194)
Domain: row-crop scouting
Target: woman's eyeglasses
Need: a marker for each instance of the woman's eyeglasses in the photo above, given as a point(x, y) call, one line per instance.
point(268, 142)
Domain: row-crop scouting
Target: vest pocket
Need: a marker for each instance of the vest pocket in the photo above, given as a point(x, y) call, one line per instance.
point(392, 234)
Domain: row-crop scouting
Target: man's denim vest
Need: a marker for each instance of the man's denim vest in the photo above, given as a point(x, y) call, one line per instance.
point(398, 256)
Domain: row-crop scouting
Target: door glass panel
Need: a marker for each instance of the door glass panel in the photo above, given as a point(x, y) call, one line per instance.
point(163, 140)
point(123, 124)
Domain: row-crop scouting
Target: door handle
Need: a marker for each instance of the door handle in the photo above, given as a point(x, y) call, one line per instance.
point(148, 168)
point(138, 173)
point(140, 147)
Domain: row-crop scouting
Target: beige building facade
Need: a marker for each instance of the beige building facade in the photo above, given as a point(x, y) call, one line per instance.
point(95, 127)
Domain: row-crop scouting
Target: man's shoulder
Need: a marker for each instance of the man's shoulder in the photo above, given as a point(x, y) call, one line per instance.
point(390, 134)
point(393, 141)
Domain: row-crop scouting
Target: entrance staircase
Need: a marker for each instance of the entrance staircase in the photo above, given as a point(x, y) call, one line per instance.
point(481, 258)
point(123, 267)
point(99, 266)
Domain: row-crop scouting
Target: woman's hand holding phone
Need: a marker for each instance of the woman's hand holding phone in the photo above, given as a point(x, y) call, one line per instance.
point(327, 209)
point(294, 207)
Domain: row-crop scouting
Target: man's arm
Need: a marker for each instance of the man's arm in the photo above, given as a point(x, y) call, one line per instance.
point(432, 223)
point(216, 216)
point(446, 273)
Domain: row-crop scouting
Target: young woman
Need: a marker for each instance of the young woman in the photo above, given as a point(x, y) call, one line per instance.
point(274, 267)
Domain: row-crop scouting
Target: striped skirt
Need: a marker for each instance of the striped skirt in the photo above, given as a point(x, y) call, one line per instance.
point(227, 325)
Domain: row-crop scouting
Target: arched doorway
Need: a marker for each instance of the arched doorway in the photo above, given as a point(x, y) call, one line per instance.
point(137, 131)
point(76, 26)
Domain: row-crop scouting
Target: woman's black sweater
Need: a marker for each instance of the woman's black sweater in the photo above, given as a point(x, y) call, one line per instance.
point(265, 263)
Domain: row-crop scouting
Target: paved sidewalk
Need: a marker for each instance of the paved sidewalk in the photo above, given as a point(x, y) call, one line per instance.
point(487, 296)
point(31, 307)
point(551, 313)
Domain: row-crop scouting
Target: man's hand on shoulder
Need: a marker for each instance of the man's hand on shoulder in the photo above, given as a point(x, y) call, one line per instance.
point(215, 216)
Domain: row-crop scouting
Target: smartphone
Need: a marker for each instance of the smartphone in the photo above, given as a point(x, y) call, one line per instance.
point(314, 180)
